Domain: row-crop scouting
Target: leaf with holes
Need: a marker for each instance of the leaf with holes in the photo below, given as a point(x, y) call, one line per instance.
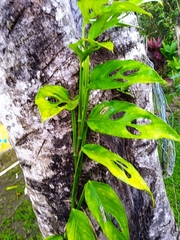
point(126, 120)
point(51, 100)
point(78, 226)
point(121, 74)
point(107, 209)
point(91, 46)
point(119, 167)
point(111, 17)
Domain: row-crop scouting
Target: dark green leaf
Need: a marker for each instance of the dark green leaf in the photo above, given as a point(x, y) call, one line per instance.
point(121, 74)
point(78, 226)
point(119, 167)
point(126, 120)
point(51, 100)
point(105, 206)
point(85, 47)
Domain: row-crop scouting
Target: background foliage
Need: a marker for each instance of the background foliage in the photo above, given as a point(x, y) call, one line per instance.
point(162, 26)
point(163, 22)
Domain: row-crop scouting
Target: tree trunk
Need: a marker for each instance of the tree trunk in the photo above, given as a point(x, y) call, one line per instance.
point(177, 30)
point(33, 50)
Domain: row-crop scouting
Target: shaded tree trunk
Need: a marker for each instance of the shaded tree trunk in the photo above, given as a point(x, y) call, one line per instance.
point(177, 30)
point(33, 52)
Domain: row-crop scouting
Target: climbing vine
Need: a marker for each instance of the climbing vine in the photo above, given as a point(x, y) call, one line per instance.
point(115, 118)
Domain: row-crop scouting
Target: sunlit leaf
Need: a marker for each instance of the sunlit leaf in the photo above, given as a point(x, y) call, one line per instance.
point(11, 187)
point(54, 237)
point(91, 9)
point(103, 23)
point(139, 2)
point(85, 47)
point(116, 74)
point(111, 17)
point(51, 100)
point(126, 120)
point(119, 167)
point(78, 226)
point(105, 206)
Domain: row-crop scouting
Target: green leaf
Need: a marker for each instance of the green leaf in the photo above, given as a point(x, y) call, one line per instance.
point(139, 2)
point(103, 23)
point(111, 16)
point(174, 64)
point(78, 226)
point(54, 237)
point(91, 9)
point(11, 187)
point(123, 119)
point(115, 74)
point(104, 205)
point(85, 47)
point(119, 167)
point(51, 100)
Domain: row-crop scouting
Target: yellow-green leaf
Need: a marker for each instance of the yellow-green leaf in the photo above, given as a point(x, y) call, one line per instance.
point(115, 74)
point(139, 2)
point(111, 17)
point(54, 237)
point(119, 167)
point(51, 100)
point(126, 120)
point(85, 47)
point(78, 226)
point(91, 8)
point(11, 187)
point(105, 206)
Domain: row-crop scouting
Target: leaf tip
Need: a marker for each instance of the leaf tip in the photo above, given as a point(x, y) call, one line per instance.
point(152, 197)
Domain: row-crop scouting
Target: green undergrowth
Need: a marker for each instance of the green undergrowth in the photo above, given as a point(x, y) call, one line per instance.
point(172, 184)
point(17, 219)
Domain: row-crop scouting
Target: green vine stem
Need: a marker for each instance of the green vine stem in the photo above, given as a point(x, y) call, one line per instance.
point(73, 117)
point(79, 138)
point(77, 174)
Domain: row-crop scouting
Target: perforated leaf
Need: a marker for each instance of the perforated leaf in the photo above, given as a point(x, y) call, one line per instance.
point(51, 100)
point(119, 167)
point(116, 74)
point(85, 47)
point(105, 206)
point(78, 226)
point(126, 120)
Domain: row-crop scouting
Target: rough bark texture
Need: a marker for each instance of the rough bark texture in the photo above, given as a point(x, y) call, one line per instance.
point(34, 35)
point(177, 30)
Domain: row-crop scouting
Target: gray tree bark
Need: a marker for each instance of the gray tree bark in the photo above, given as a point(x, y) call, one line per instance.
point(34, 36)
point(177, 30)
